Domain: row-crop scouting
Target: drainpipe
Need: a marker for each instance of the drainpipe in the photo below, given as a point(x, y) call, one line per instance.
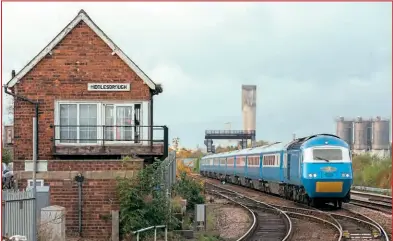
point(79, 179)
point(35, 103)
point(35, 152)
point(151, 119)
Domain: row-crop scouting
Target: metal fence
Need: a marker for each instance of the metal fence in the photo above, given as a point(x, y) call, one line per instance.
point(17, 215)
point(168, 171)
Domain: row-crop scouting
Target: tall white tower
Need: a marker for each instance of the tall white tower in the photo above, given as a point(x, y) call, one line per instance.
point(249, 102)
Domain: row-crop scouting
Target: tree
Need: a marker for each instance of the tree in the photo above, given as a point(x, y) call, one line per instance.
point(6, 155)
point(259, 143)
point(189, 189)
point(220, 149)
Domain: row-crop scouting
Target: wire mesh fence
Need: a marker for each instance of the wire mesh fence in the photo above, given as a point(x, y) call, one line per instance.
point(167, 171)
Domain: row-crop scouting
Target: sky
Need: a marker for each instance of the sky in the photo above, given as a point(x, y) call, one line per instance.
point(311, 62)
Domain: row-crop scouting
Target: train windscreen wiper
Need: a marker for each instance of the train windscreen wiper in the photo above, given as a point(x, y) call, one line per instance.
point(320, 158)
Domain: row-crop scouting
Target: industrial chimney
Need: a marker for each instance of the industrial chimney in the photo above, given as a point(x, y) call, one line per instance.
point(249, 99)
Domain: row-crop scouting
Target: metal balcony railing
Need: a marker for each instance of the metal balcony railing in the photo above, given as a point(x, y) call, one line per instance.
point(229, 132)
point(109, 135)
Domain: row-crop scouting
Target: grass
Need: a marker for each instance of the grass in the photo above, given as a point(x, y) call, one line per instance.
point(372, 171)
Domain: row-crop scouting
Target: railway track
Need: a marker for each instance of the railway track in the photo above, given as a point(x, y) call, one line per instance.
point(349, 225)
point(373, 201)
point(254, 222)
point(272, 224)
point(356, 226)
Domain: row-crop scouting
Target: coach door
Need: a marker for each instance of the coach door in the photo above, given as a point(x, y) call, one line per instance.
point(287, 161)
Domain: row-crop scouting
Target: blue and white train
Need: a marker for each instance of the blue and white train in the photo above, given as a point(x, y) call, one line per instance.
point(313, 170)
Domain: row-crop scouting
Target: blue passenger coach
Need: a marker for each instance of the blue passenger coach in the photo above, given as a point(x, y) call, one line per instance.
point(314, 169)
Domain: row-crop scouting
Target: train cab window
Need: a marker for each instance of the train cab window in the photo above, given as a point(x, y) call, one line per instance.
point(327, 154)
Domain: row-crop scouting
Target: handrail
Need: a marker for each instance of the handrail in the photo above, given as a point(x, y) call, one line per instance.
point(155, 231)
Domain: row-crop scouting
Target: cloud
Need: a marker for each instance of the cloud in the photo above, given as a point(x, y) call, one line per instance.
point(311, 62)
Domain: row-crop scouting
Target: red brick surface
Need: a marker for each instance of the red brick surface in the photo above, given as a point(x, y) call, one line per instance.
point(98, 197)
point(92, 165)
point(81, 58)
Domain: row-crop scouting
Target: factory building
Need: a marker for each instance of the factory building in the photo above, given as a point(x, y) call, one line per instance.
point(365, 135)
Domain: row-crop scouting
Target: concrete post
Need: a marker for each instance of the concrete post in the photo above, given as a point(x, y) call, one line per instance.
point(53, 223)
point(115, 225)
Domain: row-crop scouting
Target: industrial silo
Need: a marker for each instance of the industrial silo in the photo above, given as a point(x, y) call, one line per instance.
point(249, 99)
point(381, 134)
point(344, 130)
point(362, 137)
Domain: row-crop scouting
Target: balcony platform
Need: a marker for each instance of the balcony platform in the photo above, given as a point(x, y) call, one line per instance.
point(137, 142)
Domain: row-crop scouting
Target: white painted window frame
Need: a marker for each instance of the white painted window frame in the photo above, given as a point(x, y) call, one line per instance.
point(115, 118)
point(57, 122)
point(101, 120)
point(38, 182)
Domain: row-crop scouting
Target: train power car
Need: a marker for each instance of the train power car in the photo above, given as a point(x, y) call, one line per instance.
point(313, 170)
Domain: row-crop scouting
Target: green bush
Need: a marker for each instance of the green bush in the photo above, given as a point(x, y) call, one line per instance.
point(196, 165)
point(142, 202)
point(6, 156)
point(372, 171)
point(189, 189)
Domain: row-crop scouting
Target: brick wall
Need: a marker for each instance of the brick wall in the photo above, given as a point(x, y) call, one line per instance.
point(98, 193)
point(81, 58)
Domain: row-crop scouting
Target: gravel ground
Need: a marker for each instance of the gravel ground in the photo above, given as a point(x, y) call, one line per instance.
point(231, 221)
point(302, 231)
point(385, 220)
point(257, 195)
point(78, 239)
point(236, 222)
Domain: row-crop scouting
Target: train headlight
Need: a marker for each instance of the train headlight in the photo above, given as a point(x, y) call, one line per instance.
point(310, 175)
point(345, 175)
point(314, 175)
